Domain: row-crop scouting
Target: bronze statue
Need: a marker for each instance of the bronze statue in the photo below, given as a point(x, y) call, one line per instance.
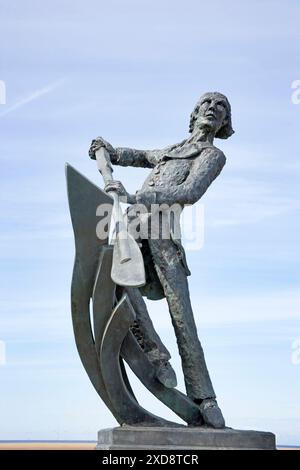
point(180, 174)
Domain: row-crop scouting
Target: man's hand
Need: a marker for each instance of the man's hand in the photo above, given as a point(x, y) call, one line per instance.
point(118, 187)
point(97, 144)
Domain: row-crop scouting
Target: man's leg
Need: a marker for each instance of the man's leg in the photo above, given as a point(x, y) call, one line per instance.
point(172, 276)
point(174, 282)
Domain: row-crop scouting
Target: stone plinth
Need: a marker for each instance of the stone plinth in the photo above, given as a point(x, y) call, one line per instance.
point(179, 438)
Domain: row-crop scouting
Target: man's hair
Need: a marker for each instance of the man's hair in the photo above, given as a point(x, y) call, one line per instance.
point(225, 131)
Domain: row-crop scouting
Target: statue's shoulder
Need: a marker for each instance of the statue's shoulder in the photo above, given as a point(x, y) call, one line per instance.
point(193, 150)
point(214, 152)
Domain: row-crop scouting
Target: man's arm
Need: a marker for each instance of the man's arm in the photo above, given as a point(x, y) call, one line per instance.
point(129, 157)
point(140, 158)
point(203, 172)
point(132, 157)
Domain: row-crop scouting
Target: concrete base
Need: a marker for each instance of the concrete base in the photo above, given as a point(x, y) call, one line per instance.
point(179, 438)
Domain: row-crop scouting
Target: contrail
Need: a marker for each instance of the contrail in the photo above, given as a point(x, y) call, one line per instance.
point(33, 96)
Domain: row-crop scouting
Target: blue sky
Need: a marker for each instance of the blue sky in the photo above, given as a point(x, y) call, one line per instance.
point(132, 71)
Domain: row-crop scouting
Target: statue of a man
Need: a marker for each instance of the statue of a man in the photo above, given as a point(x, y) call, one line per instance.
point(181, 174)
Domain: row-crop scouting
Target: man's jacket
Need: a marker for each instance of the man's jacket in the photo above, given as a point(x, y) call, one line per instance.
point(180, 174)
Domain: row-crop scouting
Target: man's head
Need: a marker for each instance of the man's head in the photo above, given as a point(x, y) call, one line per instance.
point(212, 112)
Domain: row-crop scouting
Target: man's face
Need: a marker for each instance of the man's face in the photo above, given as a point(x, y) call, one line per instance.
point(211, 113)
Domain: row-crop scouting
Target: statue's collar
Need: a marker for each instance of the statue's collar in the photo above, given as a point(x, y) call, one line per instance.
point(185, 150)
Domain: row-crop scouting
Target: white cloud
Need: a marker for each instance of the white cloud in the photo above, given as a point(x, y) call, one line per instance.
point(33, 96)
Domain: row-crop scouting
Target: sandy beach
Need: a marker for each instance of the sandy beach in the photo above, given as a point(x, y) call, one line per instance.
point(68, 446)
point(47, 445)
